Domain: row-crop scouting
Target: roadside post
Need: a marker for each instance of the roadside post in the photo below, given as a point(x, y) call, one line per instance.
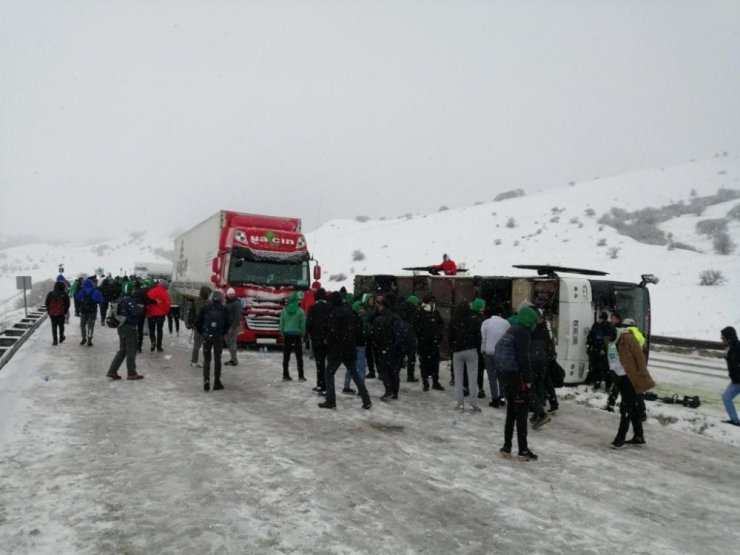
point(23, 282)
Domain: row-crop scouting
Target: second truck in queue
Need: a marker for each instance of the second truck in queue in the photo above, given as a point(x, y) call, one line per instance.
point(263, 258)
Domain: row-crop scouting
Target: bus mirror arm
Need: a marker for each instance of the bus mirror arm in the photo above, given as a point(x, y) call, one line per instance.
point(648, 278)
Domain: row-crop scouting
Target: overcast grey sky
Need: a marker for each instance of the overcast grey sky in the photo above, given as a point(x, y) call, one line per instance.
point(153, 114)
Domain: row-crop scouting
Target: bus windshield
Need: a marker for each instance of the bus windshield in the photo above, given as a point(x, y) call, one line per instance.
point(632, 301)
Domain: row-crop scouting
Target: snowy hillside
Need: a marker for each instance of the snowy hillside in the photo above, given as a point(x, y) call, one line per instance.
point(554, 227)
point(558, 226)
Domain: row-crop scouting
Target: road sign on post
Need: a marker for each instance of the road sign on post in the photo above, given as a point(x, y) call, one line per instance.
point(23, 282)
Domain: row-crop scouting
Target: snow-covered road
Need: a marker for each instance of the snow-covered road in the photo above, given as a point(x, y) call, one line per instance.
point(159, 466)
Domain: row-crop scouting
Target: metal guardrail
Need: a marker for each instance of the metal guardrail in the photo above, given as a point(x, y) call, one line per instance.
point(13, 337)
point(695, 344)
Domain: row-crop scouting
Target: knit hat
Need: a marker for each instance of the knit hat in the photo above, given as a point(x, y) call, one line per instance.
point(356, 306)
point(230, 292)
point(479, 304)
point(527, 317)
point(413, 299)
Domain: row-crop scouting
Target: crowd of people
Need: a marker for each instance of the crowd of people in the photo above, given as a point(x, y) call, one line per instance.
point(379, 335)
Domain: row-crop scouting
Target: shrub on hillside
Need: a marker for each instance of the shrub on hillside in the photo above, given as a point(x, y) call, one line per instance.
point(681, 246)
point(590, 212)
point(362, 219)
point(511, 223)
point(337, 277)
point(601, 243)
point(734, 212)
point(443, 208)
point(723, 244)
point(509, 194)
point(358, 255)
point(711, 228)
point(711, 277)
point(613, 252)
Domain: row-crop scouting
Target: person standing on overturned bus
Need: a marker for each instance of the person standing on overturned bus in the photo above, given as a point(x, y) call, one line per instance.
point(448, 266)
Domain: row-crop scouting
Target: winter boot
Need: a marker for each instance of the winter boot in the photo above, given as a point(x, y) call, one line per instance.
point(206, 385)
point(217, 385)
point(526, 455)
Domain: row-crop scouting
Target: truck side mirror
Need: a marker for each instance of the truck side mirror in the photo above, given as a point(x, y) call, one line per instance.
point(317, 272)
point(214, 279)
point(216, 265)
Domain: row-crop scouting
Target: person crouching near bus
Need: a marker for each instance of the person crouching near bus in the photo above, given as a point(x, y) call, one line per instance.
point(234, 308)
point(512, 360)
point(633, 380)
point(293, 328)
point(213, 325)
point(129, 313)
point(729, 338)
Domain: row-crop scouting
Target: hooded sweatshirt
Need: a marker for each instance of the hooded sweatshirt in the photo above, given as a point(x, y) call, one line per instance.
point(733, 354)
point(292, 318)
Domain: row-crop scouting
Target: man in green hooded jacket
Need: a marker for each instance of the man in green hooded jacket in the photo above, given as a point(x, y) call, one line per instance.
point(293, 328)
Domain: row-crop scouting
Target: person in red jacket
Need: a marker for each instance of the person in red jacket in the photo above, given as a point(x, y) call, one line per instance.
point(447, 266)
point(156, 312)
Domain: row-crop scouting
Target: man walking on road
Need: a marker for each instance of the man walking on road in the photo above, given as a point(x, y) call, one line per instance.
point(234, 308)
point(128, 313)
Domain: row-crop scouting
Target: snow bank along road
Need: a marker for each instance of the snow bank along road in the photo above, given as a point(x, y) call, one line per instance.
point(159, 466)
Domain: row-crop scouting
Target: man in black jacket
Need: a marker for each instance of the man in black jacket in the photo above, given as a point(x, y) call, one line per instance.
point(512, 359)
point(341, 349)
point(429, 334)
point(316, 321)
point(213, 324)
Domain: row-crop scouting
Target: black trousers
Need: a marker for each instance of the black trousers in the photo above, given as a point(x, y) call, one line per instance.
point(429, 362)
point(390, 372)
point(174, 314)
point(156, 327)
point(331, 368)
point(370, 357)
point(517, 403)
point(629, 409)
point(292, 344)
point(216, 346)
point(319, 355)
point(57, 325)
point(126, 350)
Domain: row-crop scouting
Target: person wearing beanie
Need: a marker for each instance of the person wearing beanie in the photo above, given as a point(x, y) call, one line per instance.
point(341, 349)
point(410, 313)
point(729, 338)
point(512, 360)
point(316, 321)
point(429, 336)
point(196, 308)
point(213, 325)
point(465, 344)
point(293, 328)
point(234, 308)
point(128, 313)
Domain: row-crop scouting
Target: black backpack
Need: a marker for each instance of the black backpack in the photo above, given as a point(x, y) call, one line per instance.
point(214, 320)
point(87, 305)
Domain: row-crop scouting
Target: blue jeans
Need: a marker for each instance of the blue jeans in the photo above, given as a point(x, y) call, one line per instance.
point(732, 391)
point(361, 367)
point(494, 379)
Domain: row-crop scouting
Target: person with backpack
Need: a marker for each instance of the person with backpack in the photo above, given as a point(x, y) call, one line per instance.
point(57, 306)
point(316, 322)
point(341, 349)
point(293, 328)
point(127, 314)
point(88, 299)
point(213, 324)
point(465, 344)
point(596, 343)
point(512, 358)
point(193, 314)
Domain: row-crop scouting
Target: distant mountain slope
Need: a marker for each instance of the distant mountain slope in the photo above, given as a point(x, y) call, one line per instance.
point(555, 227)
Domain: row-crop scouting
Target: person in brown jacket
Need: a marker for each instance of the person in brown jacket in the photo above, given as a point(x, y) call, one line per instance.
point(633, 379)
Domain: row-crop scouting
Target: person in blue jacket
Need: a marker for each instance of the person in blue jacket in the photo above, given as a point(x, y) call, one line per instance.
point(89, 298)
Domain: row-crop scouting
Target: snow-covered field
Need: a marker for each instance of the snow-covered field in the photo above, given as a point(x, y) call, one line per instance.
point(550, 227)
point(159, 466)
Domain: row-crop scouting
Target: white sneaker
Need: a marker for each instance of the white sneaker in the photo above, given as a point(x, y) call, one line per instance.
point(196, 365)
point(460, 407)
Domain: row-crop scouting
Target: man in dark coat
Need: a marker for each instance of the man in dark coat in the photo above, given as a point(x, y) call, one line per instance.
point(388, 353)
point(596, 343)
point(316, 322)
point(341, 349)
point(129, 313)
point(213, 324)
point(729, 338)
point(409, 311)
point(512, 359)
point(429, 327)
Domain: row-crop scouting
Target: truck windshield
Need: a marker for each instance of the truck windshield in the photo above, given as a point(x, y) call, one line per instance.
point(270, 272)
